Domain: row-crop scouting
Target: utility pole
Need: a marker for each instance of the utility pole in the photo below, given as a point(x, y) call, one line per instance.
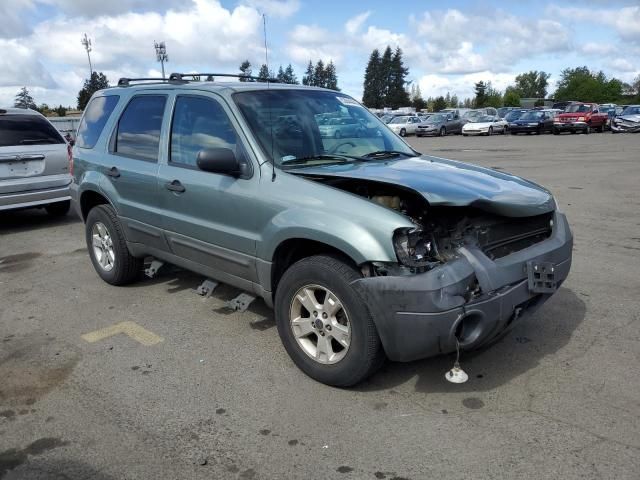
point(86, 42)
point(161, 54)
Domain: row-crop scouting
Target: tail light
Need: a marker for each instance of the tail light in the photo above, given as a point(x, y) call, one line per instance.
point(70, 157)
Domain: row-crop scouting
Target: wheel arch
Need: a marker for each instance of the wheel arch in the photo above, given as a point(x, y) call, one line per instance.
point(292, 250)
point(91, 198)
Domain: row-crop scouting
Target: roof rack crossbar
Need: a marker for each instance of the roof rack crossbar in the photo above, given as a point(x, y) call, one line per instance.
point(211, 76)
point(124, 81)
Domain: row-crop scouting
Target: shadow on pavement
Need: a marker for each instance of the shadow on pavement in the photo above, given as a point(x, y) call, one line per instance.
point(535, 337)
point(31, 219)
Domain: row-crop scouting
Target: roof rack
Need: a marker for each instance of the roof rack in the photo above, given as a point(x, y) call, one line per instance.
point(195, 77)
point(210, 77)
point(125, 82)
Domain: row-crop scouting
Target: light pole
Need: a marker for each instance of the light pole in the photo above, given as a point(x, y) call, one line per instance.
point(86, 42)
point(161, 54)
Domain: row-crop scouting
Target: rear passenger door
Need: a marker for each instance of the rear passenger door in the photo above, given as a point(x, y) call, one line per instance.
point(131, 168)
point(208, 216)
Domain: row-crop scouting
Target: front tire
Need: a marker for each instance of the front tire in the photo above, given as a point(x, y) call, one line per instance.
point(490, 132)
point(324, 324)
point(108, 248)
point(58, 209)
point(403, 133)
point(443, 132)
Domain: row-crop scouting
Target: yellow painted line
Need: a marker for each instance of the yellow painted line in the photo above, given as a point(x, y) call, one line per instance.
point(132, 329)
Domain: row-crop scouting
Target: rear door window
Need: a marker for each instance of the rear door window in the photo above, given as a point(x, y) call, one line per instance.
point(27, 130)
point(138, 132)
point(95, 117)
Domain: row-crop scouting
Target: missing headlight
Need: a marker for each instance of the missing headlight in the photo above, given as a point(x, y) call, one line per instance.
point(414, 248)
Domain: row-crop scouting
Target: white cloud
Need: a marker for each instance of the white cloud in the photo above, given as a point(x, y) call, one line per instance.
point(354, 24)
point(625, 21)
point(204, 35)
point(622, 65)
point(20, 66)
point(12, 18)
point(462, 85)
point(91, 8)
point(448, 39)
point(275, 8)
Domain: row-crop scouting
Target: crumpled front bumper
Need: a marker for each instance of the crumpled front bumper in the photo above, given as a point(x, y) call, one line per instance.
point(625, 127)
point(419, 316)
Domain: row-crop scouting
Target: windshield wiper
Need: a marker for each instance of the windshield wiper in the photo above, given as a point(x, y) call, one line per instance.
point(386, 154)
point(304, 160)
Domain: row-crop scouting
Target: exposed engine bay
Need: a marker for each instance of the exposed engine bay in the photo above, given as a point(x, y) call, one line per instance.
point(440, 231)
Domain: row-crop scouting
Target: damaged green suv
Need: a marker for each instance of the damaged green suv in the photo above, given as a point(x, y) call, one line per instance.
point(366, 248)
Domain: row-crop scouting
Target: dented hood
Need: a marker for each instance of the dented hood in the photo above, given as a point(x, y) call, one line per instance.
point(449, 183)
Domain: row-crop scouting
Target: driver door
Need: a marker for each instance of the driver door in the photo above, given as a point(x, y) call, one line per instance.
point(208, 216)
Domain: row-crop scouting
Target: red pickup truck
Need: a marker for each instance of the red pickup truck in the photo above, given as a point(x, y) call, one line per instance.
point(580, 117)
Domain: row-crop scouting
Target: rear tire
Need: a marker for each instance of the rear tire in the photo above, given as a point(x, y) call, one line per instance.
point(556, 131)
point(364, 354)
point(490, 132)
point(58, 209)
point(125, 268)
point(443, 132)
point(403, 133)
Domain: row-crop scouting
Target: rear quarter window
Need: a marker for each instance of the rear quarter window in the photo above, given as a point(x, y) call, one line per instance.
point(95, 117)
point(27, 130)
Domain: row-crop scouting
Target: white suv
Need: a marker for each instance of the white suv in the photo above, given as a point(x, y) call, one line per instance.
point(35, 163)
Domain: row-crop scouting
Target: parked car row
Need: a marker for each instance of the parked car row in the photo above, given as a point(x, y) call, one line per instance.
point(577, 117)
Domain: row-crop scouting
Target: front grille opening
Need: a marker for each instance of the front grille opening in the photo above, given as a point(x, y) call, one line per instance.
point(514, 235)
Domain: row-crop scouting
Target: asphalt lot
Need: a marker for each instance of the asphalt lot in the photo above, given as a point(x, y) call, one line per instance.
point(559, 397)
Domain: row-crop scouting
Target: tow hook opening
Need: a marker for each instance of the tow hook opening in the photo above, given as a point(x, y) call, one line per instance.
point(469, 329)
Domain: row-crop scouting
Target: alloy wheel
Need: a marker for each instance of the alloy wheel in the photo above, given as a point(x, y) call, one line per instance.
point(103, 246)
point(320, 324)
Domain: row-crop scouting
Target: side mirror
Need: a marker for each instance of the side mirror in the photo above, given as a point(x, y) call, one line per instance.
point(218, 160)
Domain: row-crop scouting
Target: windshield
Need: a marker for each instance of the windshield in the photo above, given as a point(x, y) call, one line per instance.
point(578, 108)
point(514, 115)
point(435, 119)
point(285, 123)
point(635, 110)
point(397, 120)
point(483, 119)
point(532, 116)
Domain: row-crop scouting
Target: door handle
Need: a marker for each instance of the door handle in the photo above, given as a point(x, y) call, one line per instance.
point(175, 186)
point(113, 172)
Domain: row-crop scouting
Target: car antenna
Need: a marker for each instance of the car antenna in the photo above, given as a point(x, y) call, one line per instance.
point(266, 62)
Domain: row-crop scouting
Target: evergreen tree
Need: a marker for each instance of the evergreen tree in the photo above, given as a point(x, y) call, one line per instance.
point(308, 78)
point(481, 94)
point(372, 95)
point(454, 103)
point(61, 111)
point(24, 99)
point(98, 81)
point(280, 76)
point(264, 74)
point(447, 99)
point(439, 104)
point(319, 75)
point(385, 75)
point(331, 78)
point(397, 95)
point(290, 76)
point(245, 69)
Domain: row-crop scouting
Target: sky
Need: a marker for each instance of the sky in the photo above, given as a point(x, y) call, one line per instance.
point(448, 46)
